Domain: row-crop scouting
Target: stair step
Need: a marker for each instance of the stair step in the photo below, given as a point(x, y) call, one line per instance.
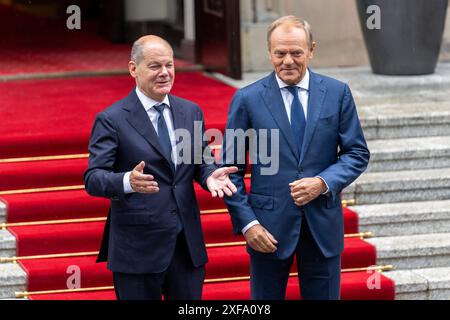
point(400, 186)
point(42, 174)
point(408, 154)
point(414, 251)
point(2, 211)
point(369, 88)
point(12, 279)
point(421, 284)
point(405, 218)
point(7, 244)
point(391, 121)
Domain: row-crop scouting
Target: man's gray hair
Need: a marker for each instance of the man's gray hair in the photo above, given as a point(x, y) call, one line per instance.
point(136, 52)
point(295, 22)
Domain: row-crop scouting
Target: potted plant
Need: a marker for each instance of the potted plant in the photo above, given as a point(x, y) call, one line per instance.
point(407, 40)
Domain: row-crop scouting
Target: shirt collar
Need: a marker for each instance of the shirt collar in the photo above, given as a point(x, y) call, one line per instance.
point(148, 102)
point(304, 83)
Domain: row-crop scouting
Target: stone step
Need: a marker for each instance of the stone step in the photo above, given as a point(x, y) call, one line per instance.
point(12, 279)
point(7, 244)
point(400, 186)
point(421, 284)
point(2, 212)
point(371, 89)
point(405, 218)
point(413, 251)
point(408, 154)
point(405, 120)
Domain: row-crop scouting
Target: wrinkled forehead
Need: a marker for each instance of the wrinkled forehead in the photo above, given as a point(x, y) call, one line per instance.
point(289, 32)
point(289, 37)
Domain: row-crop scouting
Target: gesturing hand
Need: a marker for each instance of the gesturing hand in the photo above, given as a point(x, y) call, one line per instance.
point(142, 183)
point(219, 182)
point(305, 190)
point(259, 239)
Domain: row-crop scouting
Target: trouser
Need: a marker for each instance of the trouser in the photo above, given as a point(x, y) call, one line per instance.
point(319, 277)
point(181, 280)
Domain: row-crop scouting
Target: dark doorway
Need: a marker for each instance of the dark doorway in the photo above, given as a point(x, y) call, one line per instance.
point(218, 36)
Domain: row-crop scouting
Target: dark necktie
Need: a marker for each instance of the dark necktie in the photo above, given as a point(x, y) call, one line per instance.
point(298, 121)
point(163, 134)
point(166, 145)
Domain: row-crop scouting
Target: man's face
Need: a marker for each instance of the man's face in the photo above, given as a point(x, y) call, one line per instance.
point(155, 72)
point(290, 53)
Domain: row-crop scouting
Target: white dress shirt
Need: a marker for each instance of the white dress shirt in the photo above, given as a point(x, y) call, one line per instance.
point(153, 115)
point(303, 88)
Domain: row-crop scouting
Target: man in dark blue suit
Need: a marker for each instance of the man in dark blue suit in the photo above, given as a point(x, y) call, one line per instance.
point(153, 239)
point(321, 150)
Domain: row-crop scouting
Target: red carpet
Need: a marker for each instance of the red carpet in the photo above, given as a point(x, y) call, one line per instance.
point(62, 112)
point(353, 287)
point(53, 206)
point(48, 274)
point(81, 237)
point(56, 116)
point(31, 45)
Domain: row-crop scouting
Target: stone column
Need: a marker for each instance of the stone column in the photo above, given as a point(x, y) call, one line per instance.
point(188, 43)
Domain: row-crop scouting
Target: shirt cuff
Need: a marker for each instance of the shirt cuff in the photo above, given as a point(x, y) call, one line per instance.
point(251, 224)
point(326, 184)
point(126, 183)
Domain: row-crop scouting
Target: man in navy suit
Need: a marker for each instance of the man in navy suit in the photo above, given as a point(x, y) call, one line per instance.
point(153, 239)
point(321, 150)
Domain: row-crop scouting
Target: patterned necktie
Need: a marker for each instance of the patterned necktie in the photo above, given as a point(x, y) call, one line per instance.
point(298, 121)
point(163, 134)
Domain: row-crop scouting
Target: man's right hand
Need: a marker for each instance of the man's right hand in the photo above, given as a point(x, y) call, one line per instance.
point(259, 239)
point(142, 183)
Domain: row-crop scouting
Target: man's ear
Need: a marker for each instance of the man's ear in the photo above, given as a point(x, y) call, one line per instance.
point(312, 50)
point(132, 68)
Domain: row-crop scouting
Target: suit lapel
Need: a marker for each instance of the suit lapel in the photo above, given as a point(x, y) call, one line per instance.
point(179, 122)
point(317, 93)
point(274, 102)
point(177, 113)
point(139, 119)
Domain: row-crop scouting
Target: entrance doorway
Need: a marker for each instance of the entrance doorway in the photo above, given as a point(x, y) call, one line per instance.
point(218, 31)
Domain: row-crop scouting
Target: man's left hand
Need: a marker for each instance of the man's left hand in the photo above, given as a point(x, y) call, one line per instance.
point(306, 190)
point(219, 182)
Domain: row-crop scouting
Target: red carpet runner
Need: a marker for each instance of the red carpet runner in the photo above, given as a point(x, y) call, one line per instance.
point(57, 118)
point(34, 45)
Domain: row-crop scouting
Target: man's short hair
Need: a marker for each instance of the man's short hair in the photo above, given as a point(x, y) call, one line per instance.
point(295, 22)
point(136, 52)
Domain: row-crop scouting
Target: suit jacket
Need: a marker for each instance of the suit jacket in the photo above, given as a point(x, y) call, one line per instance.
point(333, 148)
point(140, 233)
